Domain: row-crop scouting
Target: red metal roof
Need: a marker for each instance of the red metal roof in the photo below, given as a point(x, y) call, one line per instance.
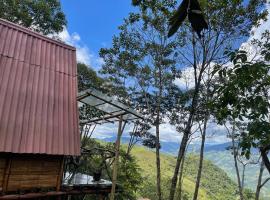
point(38, 89)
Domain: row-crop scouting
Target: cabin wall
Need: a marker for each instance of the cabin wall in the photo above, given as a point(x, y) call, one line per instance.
point(28, 173)
point(2, 168)
point(38, 94)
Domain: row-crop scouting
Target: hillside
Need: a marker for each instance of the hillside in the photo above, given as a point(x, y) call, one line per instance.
point(224, 160)
point(219, 156)
point(215, 183)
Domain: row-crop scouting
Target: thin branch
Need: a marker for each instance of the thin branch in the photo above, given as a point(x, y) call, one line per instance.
point(266, 180)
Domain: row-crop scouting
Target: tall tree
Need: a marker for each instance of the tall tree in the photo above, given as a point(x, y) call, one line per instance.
point(43, 16)
point(142, 60)
point(244, 96)
point(229, 22)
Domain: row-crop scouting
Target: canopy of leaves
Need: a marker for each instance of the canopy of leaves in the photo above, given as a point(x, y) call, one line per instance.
point(88, 78)
point(243, 95)
point(142, 59)
point(39, 15)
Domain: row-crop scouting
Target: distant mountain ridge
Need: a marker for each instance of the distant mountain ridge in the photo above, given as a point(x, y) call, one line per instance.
point(172, 147)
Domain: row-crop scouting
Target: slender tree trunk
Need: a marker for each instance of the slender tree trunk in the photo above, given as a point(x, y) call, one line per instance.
point(185, 138)
point(258, 189)
point(157, 133)
point(199, 174)
point(158, 163)
point(236, 166)
point(243, 176)
point(180, 180)
point(265, 158)
point(198, 78)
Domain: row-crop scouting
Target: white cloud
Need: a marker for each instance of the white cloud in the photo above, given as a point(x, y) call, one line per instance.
point(110, 130)
point(105, 131)
point(186, 81)
point(256, 33)
point(84, 54)
point(216, 134)
point(168, 133)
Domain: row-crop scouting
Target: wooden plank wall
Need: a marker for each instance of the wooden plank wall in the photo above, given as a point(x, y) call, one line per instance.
point(2, 171)
point(28, 173)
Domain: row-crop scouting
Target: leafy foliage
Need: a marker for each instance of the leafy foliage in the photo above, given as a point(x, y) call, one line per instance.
point(141, 58)
point(88, 78)
point(243, 95)
point(39, 15)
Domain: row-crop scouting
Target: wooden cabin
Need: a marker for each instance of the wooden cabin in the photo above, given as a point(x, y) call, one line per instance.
point(38, 110)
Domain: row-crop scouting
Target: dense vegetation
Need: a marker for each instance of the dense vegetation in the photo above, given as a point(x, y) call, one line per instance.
point(39, 15)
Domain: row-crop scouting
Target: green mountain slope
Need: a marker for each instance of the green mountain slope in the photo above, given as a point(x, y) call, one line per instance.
point(224, 160)
point(215, 183)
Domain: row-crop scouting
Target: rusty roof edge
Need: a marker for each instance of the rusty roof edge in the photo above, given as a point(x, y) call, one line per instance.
point(36, 34)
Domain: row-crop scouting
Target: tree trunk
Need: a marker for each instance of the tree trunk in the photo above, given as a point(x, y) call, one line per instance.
point(258, 189)
point(199, 174)
point(157, 123)
point(265, 158)
point(183, 145)
point(181, 153)
point(236, 166)
point(185, 138)
point(243, 176)
point(158, 162)
point(180, 180)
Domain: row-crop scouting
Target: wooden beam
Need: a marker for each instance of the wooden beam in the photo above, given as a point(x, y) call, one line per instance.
point(116, 161)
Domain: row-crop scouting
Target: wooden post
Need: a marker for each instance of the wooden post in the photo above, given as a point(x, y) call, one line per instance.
point(115, 164)
point(6, 174)
point(60, 175)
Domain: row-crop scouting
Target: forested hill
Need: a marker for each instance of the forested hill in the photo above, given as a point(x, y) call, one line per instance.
point(219, 156)
point(215, 183)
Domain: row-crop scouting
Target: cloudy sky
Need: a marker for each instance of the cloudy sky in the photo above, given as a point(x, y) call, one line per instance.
point(91, 25)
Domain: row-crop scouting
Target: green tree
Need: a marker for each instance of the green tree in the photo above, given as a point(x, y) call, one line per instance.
point(88, 78)
point(142, 61)
point(43, 16)
point(229, 23)
point(243, 96)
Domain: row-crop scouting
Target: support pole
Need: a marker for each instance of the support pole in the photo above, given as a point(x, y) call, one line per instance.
point(116, 161)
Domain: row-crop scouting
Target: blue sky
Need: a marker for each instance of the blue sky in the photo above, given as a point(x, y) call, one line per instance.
point(95, 21)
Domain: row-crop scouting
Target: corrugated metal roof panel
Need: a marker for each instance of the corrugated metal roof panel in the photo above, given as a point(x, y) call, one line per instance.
point(38, 89)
